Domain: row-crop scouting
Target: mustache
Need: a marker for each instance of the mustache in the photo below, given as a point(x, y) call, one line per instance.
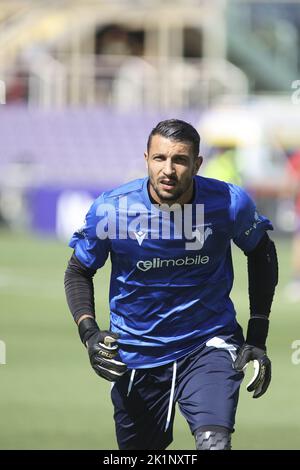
point(171, 178)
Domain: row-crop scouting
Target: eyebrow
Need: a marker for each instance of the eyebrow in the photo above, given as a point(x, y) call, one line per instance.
point(176, 155)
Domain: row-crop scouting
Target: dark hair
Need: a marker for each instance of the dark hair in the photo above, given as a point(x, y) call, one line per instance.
point(175, 129)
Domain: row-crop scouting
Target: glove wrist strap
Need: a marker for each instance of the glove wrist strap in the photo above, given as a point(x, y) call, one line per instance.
point(257, 332)
point(86, 328)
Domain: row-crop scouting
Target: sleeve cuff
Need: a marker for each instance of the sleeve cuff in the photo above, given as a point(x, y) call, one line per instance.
point(257, 332)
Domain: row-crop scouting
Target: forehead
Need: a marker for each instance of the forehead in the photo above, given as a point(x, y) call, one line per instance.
point(165, 146)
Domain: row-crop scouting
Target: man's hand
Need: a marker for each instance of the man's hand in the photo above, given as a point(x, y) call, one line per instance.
point(262, 368)
point(102, 349)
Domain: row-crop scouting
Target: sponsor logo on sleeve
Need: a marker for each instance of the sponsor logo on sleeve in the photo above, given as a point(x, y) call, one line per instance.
point(257, 221)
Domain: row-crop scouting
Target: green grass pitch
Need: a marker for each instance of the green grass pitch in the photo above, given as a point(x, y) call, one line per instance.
point(50, 398)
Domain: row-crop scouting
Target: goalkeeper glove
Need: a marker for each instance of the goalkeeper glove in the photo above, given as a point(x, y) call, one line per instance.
point(102, 349)
point(254, 350)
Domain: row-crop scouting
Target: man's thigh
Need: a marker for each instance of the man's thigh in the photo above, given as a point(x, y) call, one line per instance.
point(140, 417)
point(208, 386)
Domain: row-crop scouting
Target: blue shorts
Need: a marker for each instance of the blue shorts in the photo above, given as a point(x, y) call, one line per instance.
point(204, 384)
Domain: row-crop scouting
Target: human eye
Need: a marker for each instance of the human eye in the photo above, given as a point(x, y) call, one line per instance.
point(181, 160)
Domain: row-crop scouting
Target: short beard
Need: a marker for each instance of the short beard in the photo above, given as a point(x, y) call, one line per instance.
point(170, 197)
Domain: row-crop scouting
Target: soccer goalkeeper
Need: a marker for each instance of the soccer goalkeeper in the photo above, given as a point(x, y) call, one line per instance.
point(173, 334)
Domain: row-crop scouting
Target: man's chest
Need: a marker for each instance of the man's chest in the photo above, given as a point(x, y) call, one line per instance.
point(171, 243)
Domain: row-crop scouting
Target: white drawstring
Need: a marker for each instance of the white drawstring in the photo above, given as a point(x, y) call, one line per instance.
point(171, 395)
point(131, 382)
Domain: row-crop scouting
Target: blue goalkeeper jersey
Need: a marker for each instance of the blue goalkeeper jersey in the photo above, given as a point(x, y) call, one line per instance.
point(171, 269)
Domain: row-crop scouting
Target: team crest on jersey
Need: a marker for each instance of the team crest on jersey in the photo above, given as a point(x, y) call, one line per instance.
point(201, 234)
point(161, 222)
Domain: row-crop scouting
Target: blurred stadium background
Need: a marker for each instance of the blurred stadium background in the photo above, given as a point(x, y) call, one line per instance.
point(82, 83)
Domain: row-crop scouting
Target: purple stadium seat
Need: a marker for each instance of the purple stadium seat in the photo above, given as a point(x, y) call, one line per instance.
point(78, 146)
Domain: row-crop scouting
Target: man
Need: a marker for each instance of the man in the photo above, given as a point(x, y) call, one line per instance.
point(173, 333)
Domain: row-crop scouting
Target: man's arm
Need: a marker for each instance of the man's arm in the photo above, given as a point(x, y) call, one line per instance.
point(79, 289)
point(101, 345)
point(263, 278)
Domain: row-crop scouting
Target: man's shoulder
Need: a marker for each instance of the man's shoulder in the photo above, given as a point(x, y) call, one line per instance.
point(212, 185)
point(134, 186)
point(211, 182)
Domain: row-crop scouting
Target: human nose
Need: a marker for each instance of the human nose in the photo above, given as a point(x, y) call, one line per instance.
point(168, 169)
